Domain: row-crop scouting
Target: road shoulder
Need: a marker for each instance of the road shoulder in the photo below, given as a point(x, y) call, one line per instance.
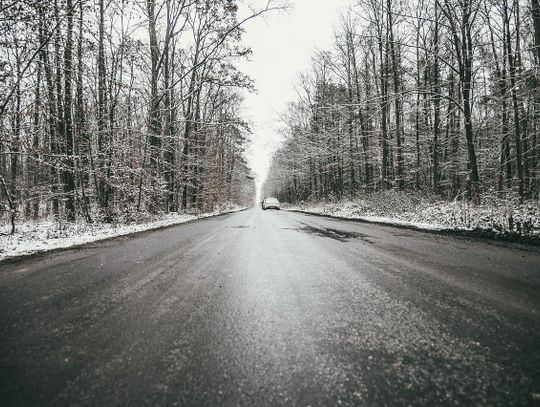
point(40, 239)
point(478, 234)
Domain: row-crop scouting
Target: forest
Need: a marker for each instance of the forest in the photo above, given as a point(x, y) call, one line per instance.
point(435, 97)
point(109, 109)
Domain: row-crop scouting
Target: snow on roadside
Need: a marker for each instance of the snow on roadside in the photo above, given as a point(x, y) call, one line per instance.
point(337, 212)
point(33, 237)
point(498, 217)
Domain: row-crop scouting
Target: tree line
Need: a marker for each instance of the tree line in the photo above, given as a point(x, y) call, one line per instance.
point(439, 96)
point(109, 108)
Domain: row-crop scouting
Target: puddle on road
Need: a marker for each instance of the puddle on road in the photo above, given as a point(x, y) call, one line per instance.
point(238, 227)
point(336, 234)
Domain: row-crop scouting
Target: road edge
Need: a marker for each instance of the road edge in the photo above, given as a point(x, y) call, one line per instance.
point(39, 253)
point(471, 234)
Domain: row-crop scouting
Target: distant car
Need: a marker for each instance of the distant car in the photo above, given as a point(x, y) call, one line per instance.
point(270, 203)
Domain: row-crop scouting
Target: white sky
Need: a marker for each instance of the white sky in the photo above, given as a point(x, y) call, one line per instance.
point(283, 44)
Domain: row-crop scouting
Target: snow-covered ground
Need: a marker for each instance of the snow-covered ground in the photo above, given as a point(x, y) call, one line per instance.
point(493, 216)
point(32, 237)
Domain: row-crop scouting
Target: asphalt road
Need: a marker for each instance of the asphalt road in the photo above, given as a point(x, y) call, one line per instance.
point(273, 308)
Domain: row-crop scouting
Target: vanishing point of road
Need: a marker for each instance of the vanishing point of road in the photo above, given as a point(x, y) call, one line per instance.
point(269, 308)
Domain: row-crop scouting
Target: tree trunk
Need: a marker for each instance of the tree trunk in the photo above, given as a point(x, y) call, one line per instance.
point(69, 181)
point(102, 144)
point(397, 96)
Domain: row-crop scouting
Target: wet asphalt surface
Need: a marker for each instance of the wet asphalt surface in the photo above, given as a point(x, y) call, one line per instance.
point(266, 308)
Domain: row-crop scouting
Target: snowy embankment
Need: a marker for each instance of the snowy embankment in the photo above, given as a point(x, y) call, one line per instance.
point(45, 235)
point(493, 217)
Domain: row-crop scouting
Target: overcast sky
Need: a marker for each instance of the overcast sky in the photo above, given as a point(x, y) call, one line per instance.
point(282, 45)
